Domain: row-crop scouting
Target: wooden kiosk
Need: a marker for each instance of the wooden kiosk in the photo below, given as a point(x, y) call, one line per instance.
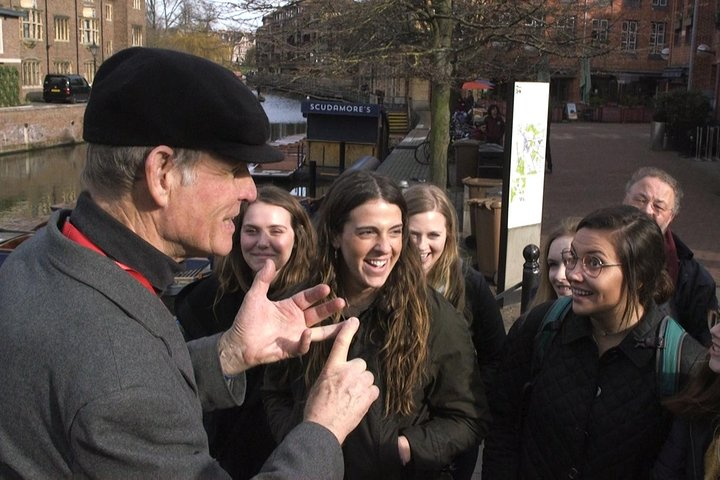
point(339, 134)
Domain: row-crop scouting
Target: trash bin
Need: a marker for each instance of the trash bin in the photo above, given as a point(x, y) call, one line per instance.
point(490, 160)
point(466, 159)
point(487, 213)
point(479, 188)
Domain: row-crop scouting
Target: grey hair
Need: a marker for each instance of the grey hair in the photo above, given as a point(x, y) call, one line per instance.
point(111, 171)
point(661, 175)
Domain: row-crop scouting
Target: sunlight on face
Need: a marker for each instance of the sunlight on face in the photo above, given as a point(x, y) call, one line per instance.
point(266, 233)
point(370, 244)
point(428, 231)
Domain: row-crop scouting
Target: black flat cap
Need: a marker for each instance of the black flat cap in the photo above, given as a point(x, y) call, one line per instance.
point(150, 97)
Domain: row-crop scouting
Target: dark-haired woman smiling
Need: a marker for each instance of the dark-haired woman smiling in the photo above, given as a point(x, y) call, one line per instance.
point(589, 407)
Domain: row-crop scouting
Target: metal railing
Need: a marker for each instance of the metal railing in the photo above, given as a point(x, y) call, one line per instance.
point(707, 143)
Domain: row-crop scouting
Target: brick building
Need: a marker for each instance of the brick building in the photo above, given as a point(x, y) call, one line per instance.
point(68, 36)
point(646, 43)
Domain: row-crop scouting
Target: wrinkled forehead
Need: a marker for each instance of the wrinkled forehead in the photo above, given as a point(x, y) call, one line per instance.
point(654, 189)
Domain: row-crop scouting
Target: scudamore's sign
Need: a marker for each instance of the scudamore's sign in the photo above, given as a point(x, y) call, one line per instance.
point(332, 108)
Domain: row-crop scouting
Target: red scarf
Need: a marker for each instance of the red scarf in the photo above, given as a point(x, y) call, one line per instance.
point(671, 257)
point(78, 237)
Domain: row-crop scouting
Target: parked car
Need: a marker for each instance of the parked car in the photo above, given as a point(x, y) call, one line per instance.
point(65, 88)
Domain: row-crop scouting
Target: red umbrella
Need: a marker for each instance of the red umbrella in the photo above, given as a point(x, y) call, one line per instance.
point(479, 84)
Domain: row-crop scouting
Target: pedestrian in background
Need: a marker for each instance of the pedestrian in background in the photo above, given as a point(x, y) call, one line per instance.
point(494, 126)
point(657, 193)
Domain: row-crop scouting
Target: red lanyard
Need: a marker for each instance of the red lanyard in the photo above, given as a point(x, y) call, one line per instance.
point(77, 236)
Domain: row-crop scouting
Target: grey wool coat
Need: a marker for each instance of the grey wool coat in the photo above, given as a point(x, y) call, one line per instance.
point(98, 382)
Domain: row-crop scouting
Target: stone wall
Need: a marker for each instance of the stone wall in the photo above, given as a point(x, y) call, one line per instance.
point(40, 126)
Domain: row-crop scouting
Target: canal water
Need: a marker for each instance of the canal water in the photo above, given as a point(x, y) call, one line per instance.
point(32, 182)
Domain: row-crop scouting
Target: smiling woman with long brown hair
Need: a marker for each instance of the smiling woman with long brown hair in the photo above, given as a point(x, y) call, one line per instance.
point(432, 404)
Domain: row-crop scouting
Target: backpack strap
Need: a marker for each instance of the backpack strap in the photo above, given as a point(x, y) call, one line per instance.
point(548, 329)
point(669, 356)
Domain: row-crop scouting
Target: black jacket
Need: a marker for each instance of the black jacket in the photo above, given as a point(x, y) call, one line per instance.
point(683, 455)
point(486, 324)
point(239, 438)
point(695, 294)
point(581, 416)
point(451, 410)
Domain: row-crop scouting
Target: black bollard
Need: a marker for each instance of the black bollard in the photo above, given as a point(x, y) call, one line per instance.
point(531, 275)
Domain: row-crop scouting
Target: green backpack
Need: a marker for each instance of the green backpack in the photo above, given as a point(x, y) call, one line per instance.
point(669, 340)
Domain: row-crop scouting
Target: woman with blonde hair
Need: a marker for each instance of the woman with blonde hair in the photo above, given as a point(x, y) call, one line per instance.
point(275, 226)
point(432, 404)
point(434, 230)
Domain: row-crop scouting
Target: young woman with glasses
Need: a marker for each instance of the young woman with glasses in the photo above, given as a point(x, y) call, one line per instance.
point(589, 408)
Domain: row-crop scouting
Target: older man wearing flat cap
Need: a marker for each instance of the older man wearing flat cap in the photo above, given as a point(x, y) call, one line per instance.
point(96, 379)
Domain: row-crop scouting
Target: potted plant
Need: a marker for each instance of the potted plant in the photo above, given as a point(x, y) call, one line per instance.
point(682, 112)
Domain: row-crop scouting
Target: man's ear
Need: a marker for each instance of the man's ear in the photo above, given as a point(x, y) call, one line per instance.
point(159, 174)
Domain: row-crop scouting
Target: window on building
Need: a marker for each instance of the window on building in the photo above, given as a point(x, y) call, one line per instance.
point(62, 29)
point(137, 36)
point(32, 26)
point(108, 11)
point(89, 71)
point(62, 66)
point(567, 25)
point(31, 73)
point(659, 3)
point(628, 40)
point(600, 30)
point(657, 36)
point(88, 31)
point(108, 48)
point(137, 4)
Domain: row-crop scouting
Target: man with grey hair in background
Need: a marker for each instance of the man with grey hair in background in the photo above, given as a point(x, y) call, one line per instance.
point(96, 379)
point(658, 194)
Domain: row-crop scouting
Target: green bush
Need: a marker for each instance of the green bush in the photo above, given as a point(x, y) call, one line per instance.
point(682, 109)
point(9, 87)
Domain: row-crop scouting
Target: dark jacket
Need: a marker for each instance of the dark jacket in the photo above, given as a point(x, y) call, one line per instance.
point(695, 294)
point(683, 455)
point(451, 413)
point(494, 129)
point(579, 415)
point(97, 380)
point(239, 438)
point(486, 324)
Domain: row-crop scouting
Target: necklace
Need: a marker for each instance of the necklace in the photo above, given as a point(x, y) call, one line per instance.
point(605, 333)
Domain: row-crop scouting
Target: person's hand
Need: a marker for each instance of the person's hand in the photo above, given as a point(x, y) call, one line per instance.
point(265, 331)
point(344, 391)
point(404, 450)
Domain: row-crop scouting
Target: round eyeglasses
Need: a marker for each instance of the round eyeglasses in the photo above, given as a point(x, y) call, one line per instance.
point(592, 266)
